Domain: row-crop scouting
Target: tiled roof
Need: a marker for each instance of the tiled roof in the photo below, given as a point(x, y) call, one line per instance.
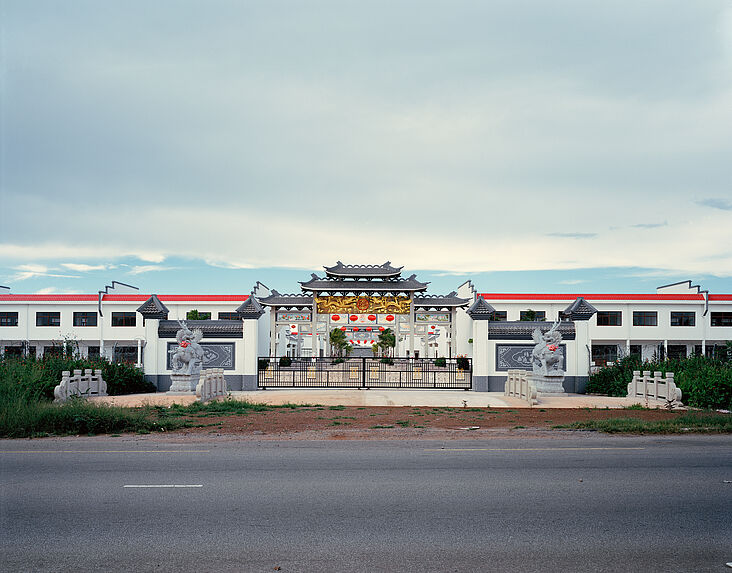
point(238, 298)
point(287, 300)
point(365, 271)
point(481, 310)
point(595, 297)
point(580, 309)
point(153, 308)
point(250, 309)
point(440, 301)
point(522, 330)
point(410, 284)
point(210, 328)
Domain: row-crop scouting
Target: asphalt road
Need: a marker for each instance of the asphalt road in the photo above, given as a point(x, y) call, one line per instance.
point(590, 503)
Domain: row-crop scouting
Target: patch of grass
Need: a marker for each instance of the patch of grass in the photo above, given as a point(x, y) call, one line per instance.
point(692, 422)
point(381, 427)
point(336, 407)
point(636, 407)
point(343, 418)
point(403, 423)
point(518, 427)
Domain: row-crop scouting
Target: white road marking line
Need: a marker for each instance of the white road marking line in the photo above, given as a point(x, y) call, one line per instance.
point(164, 485)
point(520, 449)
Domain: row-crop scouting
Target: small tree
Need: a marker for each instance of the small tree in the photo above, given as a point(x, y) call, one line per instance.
point(195, 315)
point(528, 315)
point(387, 341)
point(338, 342)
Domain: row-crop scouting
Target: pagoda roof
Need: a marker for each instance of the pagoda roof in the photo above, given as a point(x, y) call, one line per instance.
point(287, 300)
point(410, 284)
point(250, 308)
point(153, 308)
point(438, 301)
point(481, 310)
point(363, 271)
point(580, 309)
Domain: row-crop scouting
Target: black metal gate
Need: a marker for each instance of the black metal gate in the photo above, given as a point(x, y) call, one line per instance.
point(435, 373)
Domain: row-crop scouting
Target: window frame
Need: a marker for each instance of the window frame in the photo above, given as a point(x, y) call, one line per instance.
point(638, 314)
point(83, 314)
point(609, 314)
point(682, 314)
point(49, 315)
point(721, 316)
point(6, 318)
point(540, 315)
point(230, 316)
point(123, 319)
point(500, 316)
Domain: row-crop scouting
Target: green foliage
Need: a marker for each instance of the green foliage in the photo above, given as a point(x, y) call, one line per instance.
point(196, 315)
point(339, 343)
point(262, 363)
point(463, 363)
point(705, 382)
point(528, 315)
point(441, 362)
point(285, 361)
point(387, 360)
point(691, 422)
point(387, 341)
point(40, 377)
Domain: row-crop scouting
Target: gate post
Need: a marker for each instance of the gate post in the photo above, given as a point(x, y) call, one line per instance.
point(363, 372)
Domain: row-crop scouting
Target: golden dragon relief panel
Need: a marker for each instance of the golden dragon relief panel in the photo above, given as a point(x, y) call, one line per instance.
point(361, 304)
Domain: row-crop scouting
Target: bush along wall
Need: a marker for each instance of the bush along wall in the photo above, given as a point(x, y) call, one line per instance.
point(38, 378)
point(705, 382)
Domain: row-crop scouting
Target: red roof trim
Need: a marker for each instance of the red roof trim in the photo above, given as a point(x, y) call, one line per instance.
point(570, 297)
point(720, 297)
point(122, 297)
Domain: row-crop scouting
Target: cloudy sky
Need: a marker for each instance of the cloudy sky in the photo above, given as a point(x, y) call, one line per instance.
point(199, 146)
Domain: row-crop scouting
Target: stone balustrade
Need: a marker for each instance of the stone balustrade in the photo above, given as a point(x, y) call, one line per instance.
point(519, 385)
point(90, 383)
point(211, 384)
point(654, 387)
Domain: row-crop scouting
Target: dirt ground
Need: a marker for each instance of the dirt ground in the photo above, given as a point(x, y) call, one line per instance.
point(353, 422)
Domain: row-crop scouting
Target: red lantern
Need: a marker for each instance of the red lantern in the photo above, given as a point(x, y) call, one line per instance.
point(432, 326)
point(389, 317)
point(368, 329)
point(336, 317)
point(343, 328)
point(295, 333)
point(381, 328)
point(372, 317)
point(355, 329)
point(372, 342)
point(354, 317)
point(351, 341)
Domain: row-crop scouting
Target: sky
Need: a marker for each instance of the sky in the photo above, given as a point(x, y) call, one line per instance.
point(190, 146)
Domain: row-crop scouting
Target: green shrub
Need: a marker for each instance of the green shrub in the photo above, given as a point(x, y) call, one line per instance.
point(387, 360)
point(441, 361)
point(705, 382)
point(463, 363)
point(285, 361)
point(262, 363)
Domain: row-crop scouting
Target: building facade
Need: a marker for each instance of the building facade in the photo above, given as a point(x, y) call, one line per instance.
point(494, 329)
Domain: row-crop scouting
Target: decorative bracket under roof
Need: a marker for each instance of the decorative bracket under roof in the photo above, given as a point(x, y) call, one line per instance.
point(580, 309)
point(481, 310)
point(250, 308)
point(153, 308)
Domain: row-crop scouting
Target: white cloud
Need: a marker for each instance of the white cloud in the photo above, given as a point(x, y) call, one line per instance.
point(29, 271)
point(82, 268)
point(140, 269)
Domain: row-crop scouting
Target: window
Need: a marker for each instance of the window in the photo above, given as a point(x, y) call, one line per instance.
point(228, 316)
point(48, 319)
point(683, 319)
point(532, 315)
point(124, 319)
point(52, 351)
point(500, 316)
point(722, 319)
point(609, 318)
point(93, 352)
point(125, 354)
point(645, 318)
point(85, 319)
point(636, 350)
point(604, 353)
point(677, 351)
point(13, 351)
point(8, 319)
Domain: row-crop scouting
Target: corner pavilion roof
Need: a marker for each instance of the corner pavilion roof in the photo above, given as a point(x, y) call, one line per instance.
point(339, 270)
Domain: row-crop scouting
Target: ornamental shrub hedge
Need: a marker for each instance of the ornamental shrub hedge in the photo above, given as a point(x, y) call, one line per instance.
point(36, 379)
point(705, 382)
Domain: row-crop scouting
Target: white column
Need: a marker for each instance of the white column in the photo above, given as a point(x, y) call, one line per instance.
point(139, 353)
point(314, 318)
point(411, 324)
point(273, 331)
